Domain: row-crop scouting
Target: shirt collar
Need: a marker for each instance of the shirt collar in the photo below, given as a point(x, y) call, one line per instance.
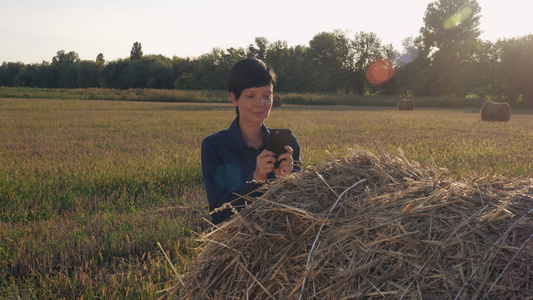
point(238, 141)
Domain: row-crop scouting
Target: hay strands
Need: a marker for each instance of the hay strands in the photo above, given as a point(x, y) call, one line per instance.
point(490, 251)
point(408, 233)
point(320, 230)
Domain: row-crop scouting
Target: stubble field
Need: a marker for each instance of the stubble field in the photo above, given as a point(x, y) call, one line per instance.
point(88, 188)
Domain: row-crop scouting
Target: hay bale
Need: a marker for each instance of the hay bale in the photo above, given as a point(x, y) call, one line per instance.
point(276, 101)
point(406, 104)
point(407, 232)
point(495, 111)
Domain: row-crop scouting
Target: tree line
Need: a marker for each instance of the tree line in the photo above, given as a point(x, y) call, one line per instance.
point(447, 59)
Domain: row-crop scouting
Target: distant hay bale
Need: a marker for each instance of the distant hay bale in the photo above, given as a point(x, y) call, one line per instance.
point(406, 104)
point(406, 232)
point(495, 111)
point(276, 101)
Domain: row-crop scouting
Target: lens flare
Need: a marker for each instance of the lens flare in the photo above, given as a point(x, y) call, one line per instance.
point(457, 18)
point(408, 56)
point(380, 71)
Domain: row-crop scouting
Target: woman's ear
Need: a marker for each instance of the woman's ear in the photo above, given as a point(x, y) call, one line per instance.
point(233, 98)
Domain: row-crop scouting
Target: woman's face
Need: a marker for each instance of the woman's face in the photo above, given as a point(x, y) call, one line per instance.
point(254, 103)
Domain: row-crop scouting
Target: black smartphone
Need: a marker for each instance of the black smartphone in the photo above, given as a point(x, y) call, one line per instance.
point(278, 139)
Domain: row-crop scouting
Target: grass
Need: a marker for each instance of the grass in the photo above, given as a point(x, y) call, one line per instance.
point(155, 95)
point(207, 96)
point(88, 188)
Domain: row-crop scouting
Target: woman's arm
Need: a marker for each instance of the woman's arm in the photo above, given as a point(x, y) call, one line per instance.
point(224, 181)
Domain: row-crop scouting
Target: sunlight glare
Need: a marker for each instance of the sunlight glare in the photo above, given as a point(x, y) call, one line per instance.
point(380, 71)
point(457, 18)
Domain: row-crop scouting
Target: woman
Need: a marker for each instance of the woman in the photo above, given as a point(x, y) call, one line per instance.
point(235, 161)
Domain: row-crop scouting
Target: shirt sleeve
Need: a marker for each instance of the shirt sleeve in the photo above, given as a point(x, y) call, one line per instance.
point(224, 181)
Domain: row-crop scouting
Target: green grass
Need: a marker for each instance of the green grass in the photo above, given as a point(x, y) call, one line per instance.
point(158, 95)
point(88, 188)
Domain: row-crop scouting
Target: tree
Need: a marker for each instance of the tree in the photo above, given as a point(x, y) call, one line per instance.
point(450, 39)
point(412, 68)
point(279, 56)
point(44, 75)
point(65, 58)
point(100, 64)
point(411, 50)
point(133, 75)
point(100, 61)
point(449, 23)
point(515, 69)
point(261, 50)
point(23, 76)
point(136, 51)
point(214, 67)
point(112, 75)
point(329, 59)
point(366, 49)
point(87, 72)
point(64, 65)
point(184, 70)
point(8, 72)
point(387, 81)
point(158, 72)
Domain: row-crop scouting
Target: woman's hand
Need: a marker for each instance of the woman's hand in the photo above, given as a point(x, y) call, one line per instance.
point(264, 165)
point(286, 165)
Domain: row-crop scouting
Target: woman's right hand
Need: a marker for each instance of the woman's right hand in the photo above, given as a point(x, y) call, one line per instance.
point(264, 165)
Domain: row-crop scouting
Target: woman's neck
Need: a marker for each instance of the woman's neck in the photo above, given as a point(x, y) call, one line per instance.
point(252, 134)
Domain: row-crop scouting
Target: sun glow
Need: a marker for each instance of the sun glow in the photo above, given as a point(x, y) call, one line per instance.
point(457, 18)
point(380, 71)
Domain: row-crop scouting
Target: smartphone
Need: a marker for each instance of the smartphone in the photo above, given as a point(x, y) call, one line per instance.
point(279, 138)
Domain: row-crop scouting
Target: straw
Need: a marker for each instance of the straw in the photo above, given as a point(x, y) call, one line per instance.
point(410, 232)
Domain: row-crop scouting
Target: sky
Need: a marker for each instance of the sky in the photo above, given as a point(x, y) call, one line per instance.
point(33, 31)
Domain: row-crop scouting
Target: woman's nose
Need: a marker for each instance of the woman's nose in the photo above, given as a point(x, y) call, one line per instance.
point(261, 100)
point(265, 100)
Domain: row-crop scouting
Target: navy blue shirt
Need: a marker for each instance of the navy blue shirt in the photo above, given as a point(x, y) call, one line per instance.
point(228, 164)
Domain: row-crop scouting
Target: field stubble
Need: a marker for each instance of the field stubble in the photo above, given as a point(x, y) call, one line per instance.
point(88, 188)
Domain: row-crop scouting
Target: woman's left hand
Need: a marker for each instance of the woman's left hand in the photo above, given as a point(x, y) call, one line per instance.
point(286, 165)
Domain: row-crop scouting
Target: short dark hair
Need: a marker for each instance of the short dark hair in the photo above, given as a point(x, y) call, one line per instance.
point(248, 73)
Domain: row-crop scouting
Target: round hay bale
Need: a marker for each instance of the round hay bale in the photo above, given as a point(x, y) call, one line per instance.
point(495, 111)
point(406, 104)
point(406, 232)
point(276, 101)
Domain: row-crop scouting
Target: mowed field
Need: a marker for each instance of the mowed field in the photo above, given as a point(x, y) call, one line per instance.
point(89, 188)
